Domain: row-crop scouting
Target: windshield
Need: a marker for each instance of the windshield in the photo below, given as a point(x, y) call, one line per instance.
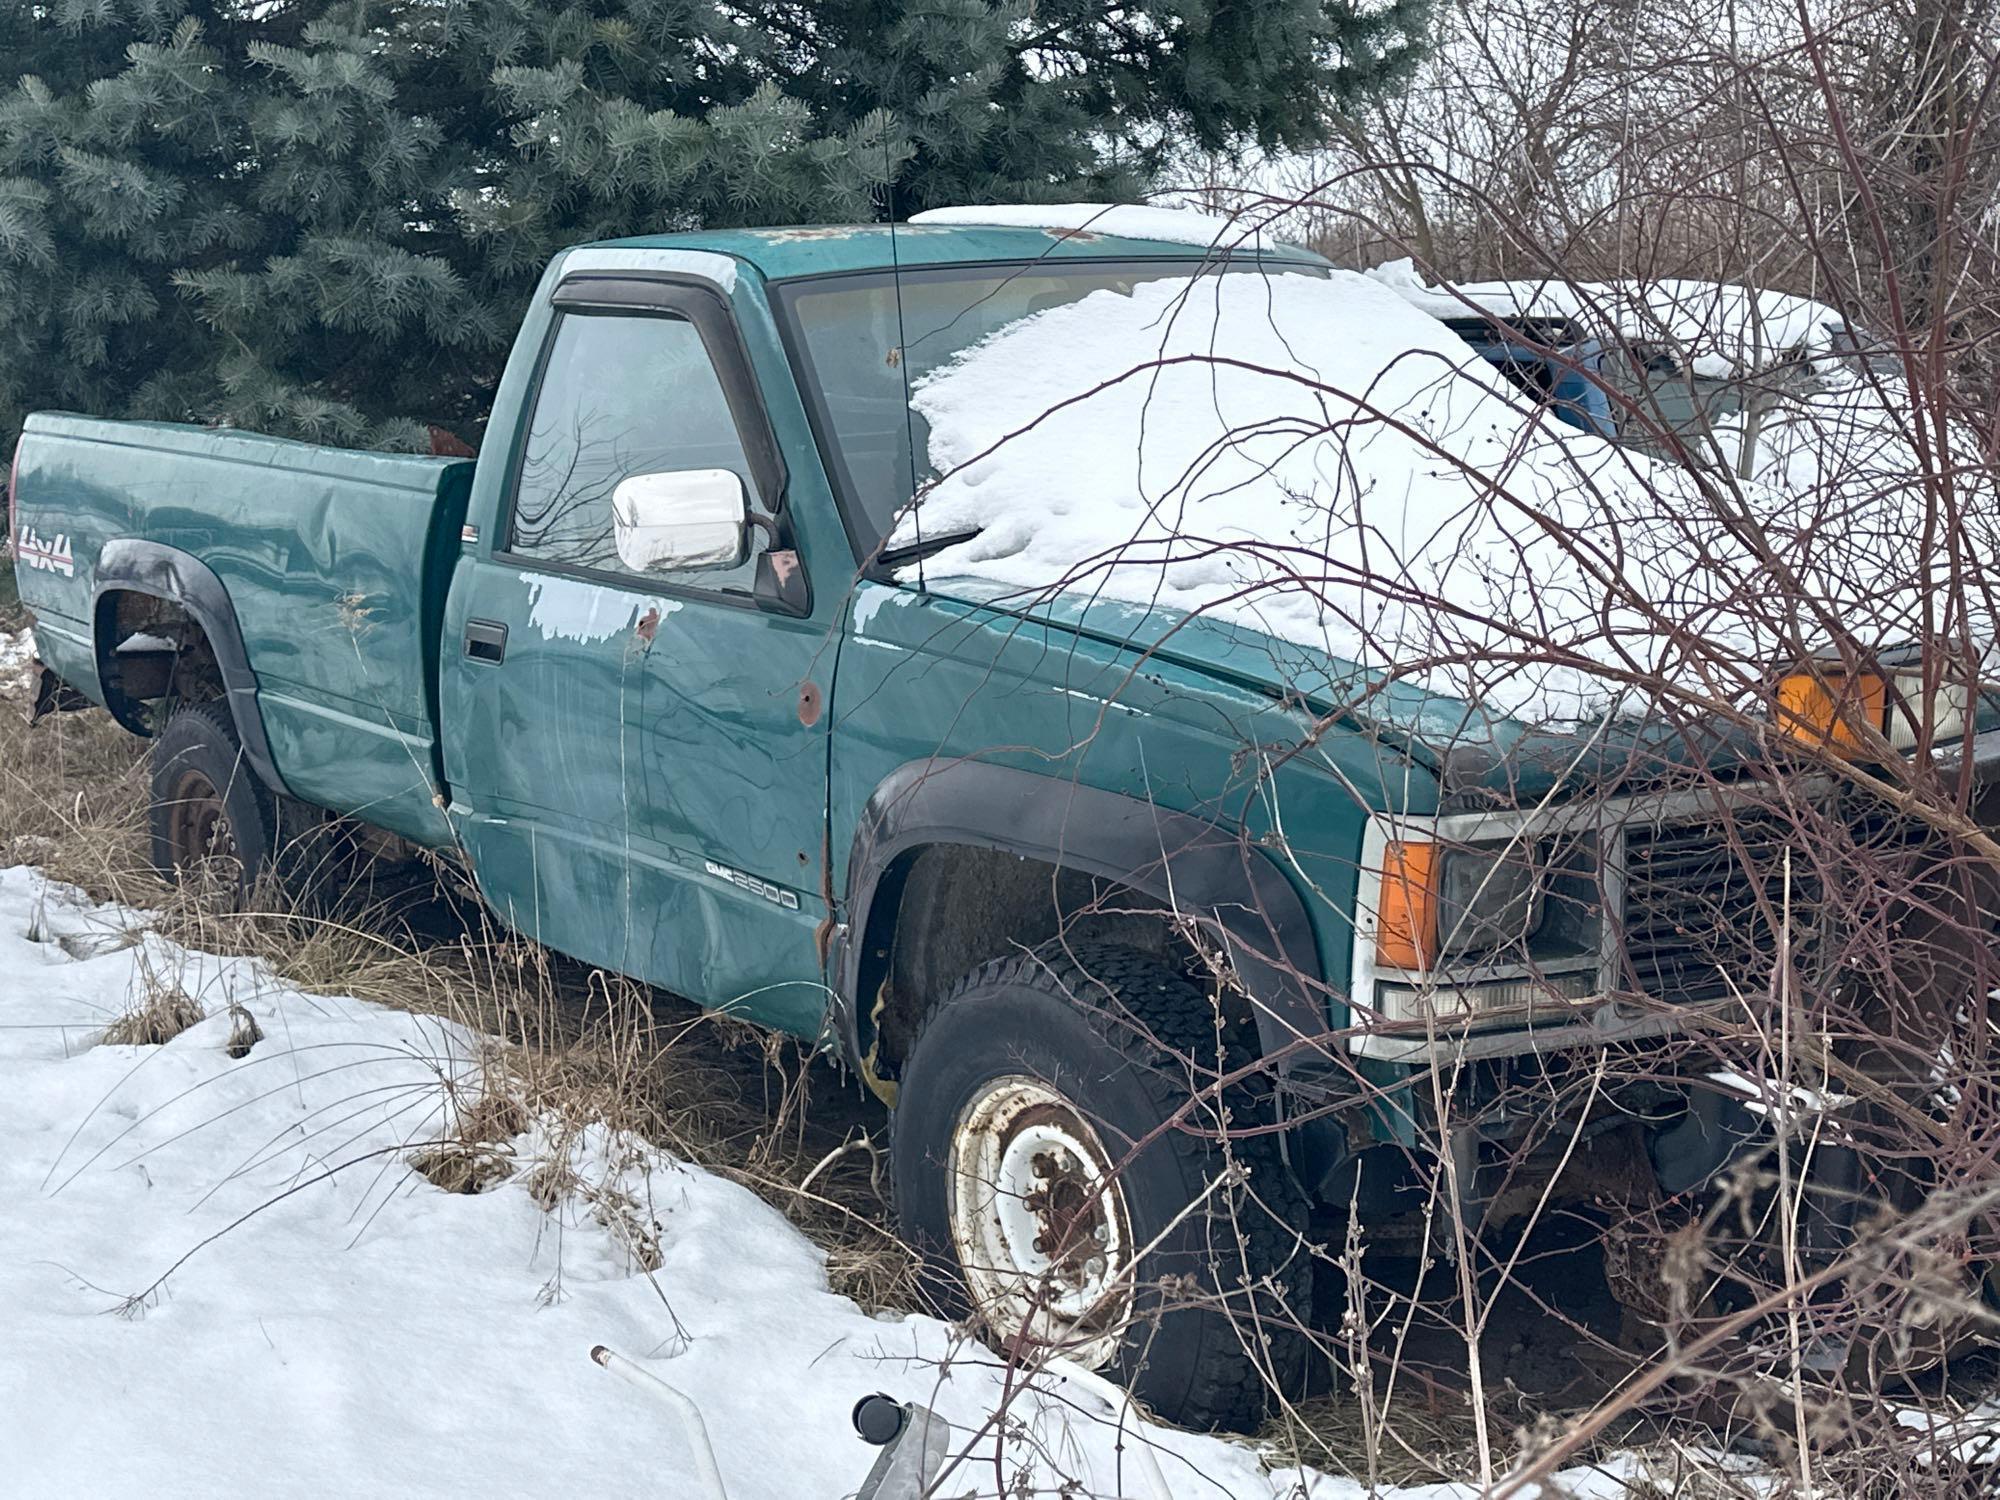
point(857, 373)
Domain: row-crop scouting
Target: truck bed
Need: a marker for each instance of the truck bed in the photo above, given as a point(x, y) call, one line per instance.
point(335, 561)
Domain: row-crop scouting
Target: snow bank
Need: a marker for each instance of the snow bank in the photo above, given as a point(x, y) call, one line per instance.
point(1717, 329)
point(1137, 221)
point(1969, 1435)
point(323, 1321)
point(17, 655)
point(314, 1318)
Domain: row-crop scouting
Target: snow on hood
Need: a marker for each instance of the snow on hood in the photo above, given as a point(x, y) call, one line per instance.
point(1311, 457)
point(1716, 328)
point(1133, 221)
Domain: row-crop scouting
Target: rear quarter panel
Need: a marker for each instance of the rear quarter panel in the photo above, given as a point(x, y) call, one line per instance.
point(336, 563)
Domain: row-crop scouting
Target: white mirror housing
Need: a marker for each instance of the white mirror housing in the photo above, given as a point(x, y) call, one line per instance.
point(680, 519)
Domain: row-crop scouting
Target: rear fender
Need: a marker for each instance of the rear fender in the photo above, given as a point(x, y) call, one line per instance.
point(136, 566)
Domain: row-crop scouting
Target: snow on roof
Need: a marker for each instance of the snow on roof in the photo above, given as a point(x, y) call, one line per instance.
point(1309, 455)
point(1133, 221)
point(1717, 328)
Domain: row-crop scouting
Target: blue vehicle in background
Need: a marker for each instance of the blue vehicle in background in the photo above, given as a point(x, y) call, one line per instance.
point(1549, 360)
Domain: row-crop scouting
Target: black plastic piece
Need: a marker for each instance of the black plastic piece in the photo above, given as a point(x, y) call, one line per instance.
point(54, 696)
point(879, 1419)
point(1688, 1153)
point(486, 640)
point(780, 586)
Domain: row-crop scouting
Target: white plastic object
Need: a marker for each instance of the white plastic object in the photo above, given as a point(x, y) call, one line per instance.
point(1119, 1400)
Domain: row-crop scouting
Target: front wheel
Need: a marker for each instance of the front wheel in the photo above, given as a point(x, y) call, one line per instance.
point(1044, 1155)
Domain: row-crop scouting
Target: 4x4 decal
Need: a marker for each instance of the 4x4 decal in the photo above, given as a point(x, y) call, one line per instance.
point(50, 557)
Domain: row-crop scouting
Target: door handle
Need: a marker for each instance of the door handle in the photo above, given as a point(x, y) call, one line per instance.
point(485, 640)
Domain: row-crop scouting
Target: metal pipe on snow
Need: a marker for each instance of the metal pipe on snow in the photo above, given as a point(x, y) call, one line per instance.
point(682, 1405)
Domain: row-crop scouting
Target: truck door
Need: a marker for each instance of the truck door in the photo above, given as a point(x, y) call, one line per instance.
point(632, 775)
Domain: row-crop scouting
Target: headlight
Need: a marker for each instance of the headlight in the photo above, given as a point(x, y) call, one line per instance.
point(1489, 925)
point(1832, 708)
point(1488, 900)
point(1498, 901)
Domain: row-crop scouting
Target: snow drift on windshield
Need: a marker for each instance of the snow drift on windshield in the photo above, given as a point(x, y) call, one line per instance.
point(1308, 456)
point(1315, 458)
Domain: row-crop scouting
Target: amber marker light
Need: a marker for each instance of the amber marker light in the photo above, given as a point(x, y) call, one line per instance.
point(1406, 913)
point(1829, 709)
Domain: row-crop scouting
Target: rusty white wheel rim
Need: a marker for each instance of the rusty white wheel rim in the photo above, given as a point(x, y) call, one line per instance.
point(1038, 1221)
point(199, 831)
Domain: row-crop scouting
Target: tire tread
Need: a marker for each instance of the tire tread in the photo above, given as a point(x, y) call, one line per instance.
point(1227, 1388)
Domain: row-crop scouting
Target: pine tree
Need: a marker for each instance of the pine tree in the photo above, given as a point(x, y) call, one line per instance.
point(114, 149)
point(322, 217)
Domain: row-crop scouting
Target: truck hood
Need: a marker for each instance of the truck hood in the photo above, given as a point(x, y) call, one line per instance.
point(1479, 757)
point(1431, 725)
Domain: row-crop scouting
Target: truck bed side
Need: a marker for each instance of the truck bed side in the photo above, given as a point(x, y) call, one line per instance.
point(335, 563)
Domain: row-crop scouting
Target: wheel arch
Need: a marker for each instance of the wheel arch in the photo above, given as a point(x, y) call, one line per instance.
point(168, 579)
point(1198, 870)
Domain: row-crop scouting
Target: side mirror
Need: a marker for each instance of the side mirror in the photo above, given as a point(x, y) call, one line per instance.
point(681, 519)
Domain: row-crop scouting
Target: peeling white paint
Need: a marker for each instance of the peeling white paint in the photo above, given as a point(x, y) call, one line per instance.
point(568, 609)
point(869, 600)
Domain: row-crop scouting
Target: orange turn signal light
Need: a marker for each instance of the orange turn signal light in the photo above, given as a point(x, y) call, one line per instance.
point(1406, 910)
point(1829, 709)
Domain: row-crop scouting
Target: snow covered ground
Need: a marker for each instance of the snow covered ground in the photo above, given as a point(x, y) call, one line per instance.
point(17, 651)
point(219, 1276)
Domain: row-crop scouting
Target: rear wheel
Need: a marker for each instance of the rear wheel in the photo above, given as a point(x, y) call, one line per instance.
point(1044, 1156)
point(212, 822)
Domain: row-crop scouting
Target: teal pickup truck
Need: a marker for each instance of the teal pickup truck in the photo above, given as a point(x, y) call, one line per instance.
point(1152, 949)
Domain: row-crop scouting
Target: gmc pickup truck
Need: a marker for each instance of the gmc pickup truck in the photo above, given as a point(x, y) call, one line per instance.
point(1161, 961)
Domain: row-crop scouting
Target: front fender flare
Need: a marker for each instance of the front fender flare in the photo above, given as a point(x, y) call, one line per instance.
point(137, 566)
point(1208, 872)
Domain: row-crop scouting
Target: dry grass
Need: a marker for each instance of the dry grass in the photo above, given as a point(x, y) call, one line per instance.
point(158, 1019)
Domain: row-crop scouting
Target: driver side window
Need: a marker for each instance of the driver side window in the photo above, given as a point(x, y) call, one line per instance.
point(620, 395)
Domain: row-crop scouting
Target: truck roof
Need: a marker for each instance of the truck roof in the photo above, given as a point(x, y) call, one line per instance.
point(822, 249)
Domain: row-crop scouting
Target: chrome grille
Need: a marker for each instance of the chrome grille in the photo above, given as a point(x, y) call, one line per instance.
point(1703, 902)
